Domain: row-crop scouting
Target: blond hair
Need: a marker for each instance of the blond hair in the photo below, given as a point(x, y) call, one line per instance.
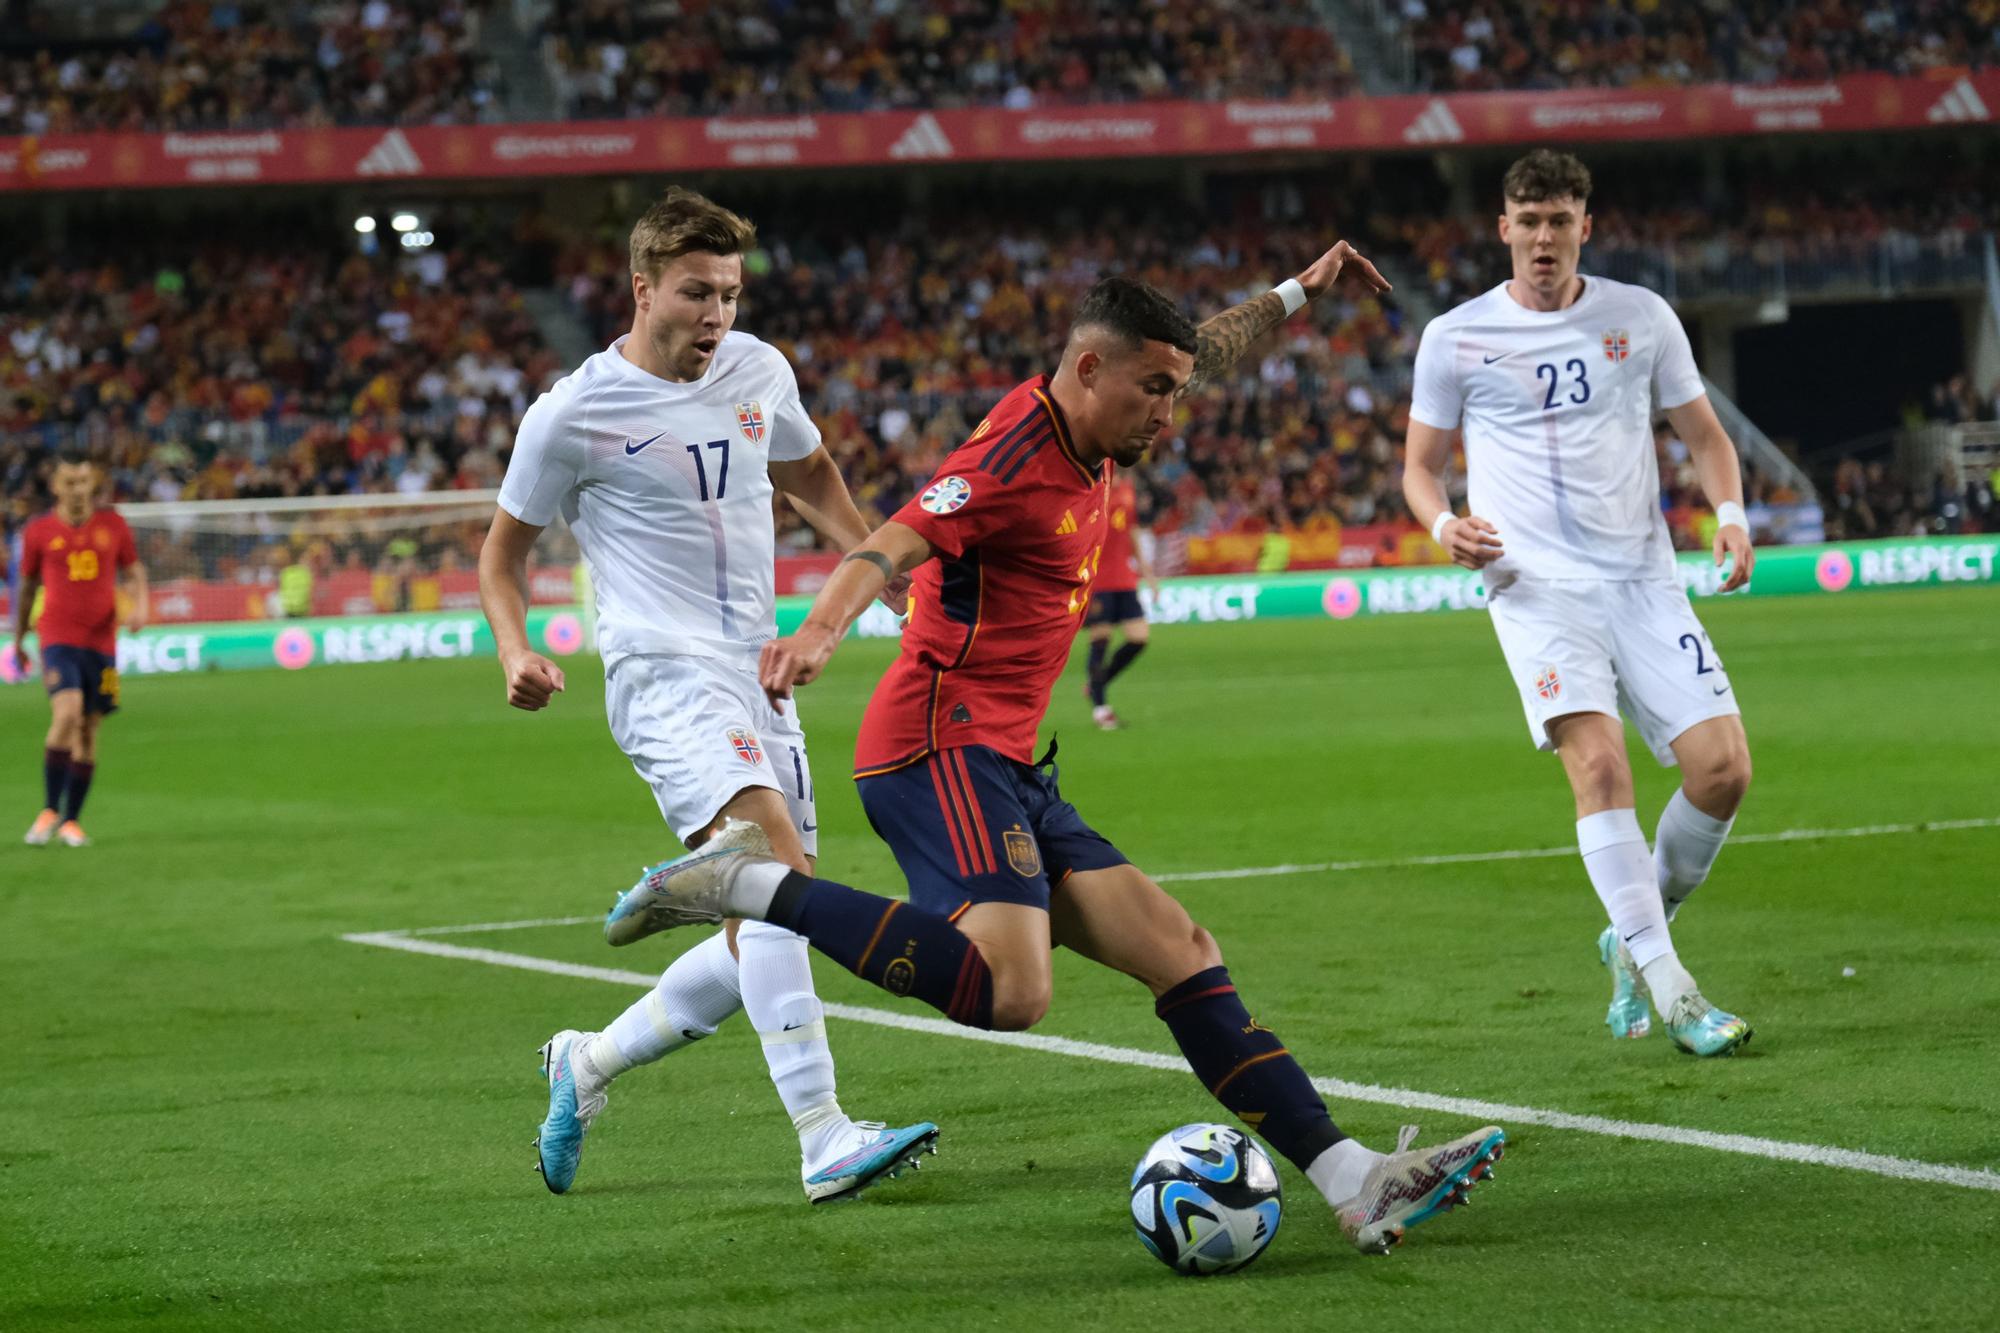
point(682, 222)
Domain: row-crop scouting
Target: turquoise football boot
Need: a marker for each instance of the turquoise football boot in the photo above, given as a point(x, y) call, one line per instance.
point(1700, 1028)
point(559, 1142)
point(1631, 1013)
point(882, 1153)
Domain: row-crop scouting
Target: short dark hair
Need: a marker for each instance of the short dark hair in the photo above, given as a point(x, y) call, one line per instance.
point(681, 222)
point(71, 456)
point(1137, 311)
point(1546, 174)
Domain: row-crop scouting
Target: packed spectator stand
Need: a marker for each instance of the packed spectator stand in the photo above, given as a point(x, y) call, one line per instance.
point(1484, 45)
point(615, 58)
point(250, 64)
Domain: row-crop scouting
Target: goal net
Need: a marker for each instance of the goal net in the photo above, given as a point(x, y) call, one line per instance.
point(349, 555)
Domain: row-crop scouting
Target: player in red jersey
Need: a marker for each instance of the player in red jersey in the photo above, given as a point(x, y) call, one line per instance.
point(1006, 543)
point(1114, 601)
point(77, 555)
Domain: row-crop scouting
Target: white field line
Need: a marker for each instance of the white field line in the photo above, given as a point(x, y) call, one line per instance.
point(1530, 853)
point(1330, 867)
point(1900, 1168)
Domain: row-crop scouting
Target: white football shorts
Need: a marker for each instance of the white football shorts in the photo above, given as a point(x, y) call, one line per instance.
point(1632, 647)
point(699, 730)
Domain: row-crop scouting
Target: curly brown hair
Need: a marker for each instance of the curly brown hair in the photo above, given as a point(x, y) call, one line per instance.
point(1546, 174)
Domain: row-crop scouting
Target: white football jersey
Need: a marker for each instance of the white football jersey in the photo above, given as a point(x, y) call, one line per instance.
point(1557, 408)
point(666, 488)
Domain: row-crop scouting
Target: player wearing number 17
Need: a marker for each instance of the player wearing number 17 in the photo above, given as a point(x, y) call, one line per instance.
point(1553, 377)
point(1000, 867)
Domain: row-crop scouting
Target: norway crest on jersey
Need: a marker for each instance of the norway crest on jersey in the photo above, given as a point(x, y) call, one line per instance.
point(750, 420)
point(745, 744)
point(1617, 345)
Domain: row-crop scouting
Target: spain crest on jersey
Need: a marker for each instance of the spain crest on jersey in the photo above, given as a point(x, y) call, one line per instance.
point(750, 420)
point(1617, 345)
point(1548, 684)
point(745, 745)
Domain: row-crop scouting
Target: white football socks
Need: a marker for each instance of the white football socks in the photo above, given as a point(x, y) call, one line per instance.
point(778, 994)
point(695, 995)
point(1340, 1172)
point(1621, 870)
point(1684, 849)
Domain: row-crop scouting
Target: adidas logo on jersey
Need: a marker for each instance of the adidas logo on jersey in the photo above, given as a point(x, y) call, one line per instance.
point(391, 156)
point(924, 138)
point(1435, 125)
point(1068, 524)
point(1960, 103)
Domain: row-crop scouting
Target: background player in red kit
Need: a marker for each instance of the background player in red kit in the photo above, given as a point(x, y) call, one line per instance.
point(78, 556)
point(1114, 602)
point(1006, 542)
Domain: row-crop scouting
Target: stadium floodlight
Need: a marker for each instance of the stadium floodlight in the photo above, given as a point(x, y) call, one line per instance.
point(364, 224)
point(404, 222)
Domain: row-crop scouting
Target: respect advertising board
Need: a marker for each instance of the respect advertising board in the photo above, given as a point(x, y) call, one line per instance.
point(1841, 569)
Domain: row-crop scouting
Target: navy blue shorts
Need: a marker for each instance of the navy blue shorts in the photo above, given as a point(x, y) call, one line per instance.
point(969, 825)
point(1114, 608)
point(86, 669)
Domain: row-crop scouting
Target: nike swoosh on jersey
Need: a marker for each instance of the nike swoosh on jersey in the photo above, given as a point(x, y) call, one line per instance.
point(1489, 360)
point(1721, 689)
point(631, 448)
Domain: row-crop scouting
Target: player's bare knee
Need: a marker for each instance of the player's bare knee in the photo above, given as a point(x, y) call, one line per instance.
point(1600, 778)
point(1719, 785)
point(1019, 1006)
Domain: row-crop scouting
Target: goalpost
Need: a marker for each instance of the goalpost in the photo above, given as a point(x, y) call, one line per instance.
point(344, 555)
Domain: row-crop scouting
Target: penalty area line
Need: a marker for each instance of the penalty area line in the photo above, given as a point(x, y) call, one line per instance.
point(1501, 1113)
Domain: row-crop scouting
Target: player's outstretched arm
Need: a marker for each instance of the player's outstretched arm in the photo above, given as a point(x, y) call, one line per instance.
point(817, 490)
point(1223, 339)
point(891, 550)
point(532, 680)
point(1721, 476)
point(1470, 541)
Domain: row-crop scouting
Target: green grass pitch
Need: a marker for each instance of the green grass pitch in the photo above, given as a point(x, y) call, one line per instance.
point(220, 1115)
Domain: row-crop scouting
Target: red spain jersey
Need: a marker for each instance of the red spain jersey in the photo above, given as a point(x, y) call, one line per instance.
point(1017, 522)
point(78, 569)
point(1120, 571)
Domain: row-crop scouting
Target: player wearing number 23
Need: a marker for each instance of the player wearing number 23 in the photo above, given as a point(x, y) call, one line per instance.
point(1553, 378)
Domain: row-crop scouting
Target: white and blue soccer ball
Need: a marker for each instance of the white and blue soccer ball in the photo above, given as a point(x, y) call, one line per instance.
point(1205, 1199)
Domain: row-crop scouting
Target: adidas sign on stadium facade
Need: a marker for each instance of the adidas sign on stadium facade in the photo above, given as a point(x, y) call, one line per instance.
point(1436, 124)
point(391, 156)
point(924, 138)
point(1961, 104)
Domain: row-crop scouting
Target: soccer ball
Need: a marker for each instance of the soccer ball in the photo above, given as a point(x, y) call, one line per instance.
point(1205, 1199)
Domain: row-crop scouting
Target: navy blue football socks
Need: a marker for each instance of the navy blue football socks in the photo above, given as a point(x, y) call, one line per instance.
point(79, 787)
point(1128, 653)
point(1098, 648)
point(1246, 1068)
point(902, 949)
point(55, 776)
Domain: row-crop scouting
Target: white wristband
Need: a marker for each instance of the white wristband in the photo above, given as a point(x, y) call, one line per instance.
point(1294, 295)
point(1729, 514)
point(1437, 527)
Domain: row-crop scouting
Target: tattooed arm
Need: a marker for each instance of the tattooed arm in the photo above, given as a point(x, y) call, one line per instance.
point(1224, 338)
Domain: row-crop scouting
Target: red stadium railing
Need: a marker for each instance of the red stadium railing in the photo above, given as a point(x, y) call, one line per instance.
point(1939, 99)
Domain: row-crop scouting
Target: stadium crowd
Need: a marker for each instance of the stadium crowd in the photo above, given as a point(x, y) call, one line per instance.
point(236, 370)
point(614, 58)
point(1482, 45)
point(252, 64)
point(246, 368)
